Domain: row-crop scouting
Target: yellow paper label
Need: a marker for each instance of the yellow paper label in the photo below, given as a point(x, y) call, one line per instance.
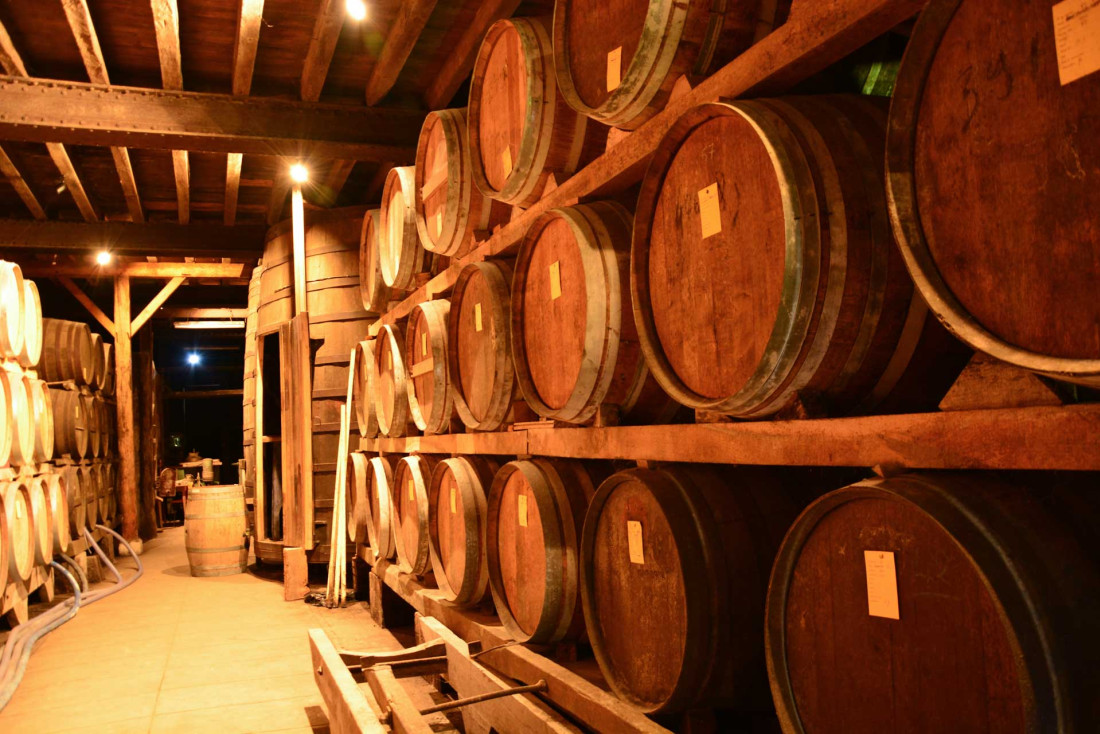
point(614, 68)
point(555, 280)
point(634, 542)
point(882, 584)
point(389, 360)
point(20, 510)
point(710, 213)
point(477, 317)
point(454, 502)
point(424, 344)
point(506, 159)
point(438, 223)
point(522, 499)
point(412, 491)
point(1076, 34)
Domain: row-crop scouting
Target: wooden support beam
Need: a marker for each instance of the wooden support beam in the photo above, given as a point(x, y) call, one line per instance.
point(298, 224)
point(232, 187)
point(412, 16)
point(348, 710)
point(41, 111)
point(181, 169)
point(458, 65)
point(68, 284)
point(203, 394)
point(141, 270)
point(124, 407)
point(157, 301)
point(322, 44)
point(87, 42)
point(163, 238)
point(202, 314)
point(329, 190)
point(15, 178)
point(166, 20)
point(249, 15)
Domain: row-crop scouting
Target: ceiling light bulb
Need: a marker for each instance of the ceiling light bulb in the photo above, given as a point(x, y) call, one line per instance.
point(103, 258)
point(357, 9)
point(299, 173)
point(192, 359)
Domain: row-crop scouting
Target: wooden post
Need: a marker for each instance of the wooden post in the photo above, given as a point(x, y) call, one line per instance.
point(298, 222)
point(124, 405)
point(145, 399)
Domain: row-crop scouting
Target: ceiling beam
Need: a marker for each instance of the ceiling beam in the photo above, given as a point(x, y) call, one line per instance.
point(121, 238)
point(181, 170)
point(329, 190)
point(249, 15)
point(231, 313)
point(460, 63)
point(322, 44)
point(277, 202)
point(166, 20)
point(233, 163)
point(15, 178)
point(42, 111)
point(87, 41)
point(141, 270)
point(157, 301)
point(412, 16)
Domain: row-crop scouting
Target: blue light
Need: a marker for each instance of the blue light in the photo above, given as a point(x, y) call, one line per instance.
point(193, 359)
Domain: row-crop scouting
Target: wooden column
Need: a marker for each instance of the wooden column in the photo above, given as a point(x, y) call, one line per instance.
point(124, 404)
point(298, 221)
point(146, 456)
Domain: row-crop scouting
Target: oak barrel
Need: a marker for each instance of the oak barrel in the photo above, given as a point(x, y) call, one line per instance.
point(70, 423)
point(450, 210)
point(20, 418)
point(89, 485)
point(674, 570)
point(41, 409)
point(401, 256)
point(535, 512)
point(764, 272)
point(7, 421)
point(99, 363)
point(66, 352)
point(365, 388)
point(32, 326)
point(72, 483)
point(56, 490)
point(11, 310)
point(379, 507)
point(358, 506)
point(5, 550)
point(391, 398)
point(479, 352)
point(457, 517)
point(216, 530)
point(409, 503)
point(103, 493)
point(19, 526)
point(429, 384)
point(998, 231)
point(109, 374)
point(940, 603)
point(376, 295)
point(41, 520)
point(520, 130)
point(95, 425)
point(574, 344)
point(618, 60)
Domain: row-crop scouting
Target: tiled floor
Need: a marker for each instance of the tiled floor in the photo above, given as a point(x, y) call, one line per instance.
point(174, 653)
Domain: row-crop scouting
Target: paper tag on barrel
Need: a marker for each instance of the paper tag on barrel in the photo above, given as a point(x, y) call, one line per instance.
point(634, 542)
point(521, 510)
point(454, 503)
point(555, 280)
point(506, 159)
point(412, 493)
point(614, 68)
point(1076, 30)
point(882, 584)
point(710, 214)
point(477, 317)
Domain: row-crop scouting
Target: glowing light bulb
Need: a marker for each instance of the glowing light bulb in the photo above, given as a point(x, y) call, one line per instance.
point(357, 9)
point(103, 258)
point(193, 359)
point(299, 173)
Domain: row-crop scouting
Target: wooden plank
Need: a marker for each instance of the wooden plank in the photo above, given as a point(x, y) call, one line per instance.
point(203, 394)
point(505, 443)
point(297, 438)
point(167, 24)
point(347, 707)
point(298, 228)
point(123, 238)
point(232, 187)
point(816, 35)
point(412, 16)
point(458, 65)
point(228, 313)
point(143, 270)
point(40, 110)
point(395, 702)
point(158, 300)
point(249, 17)
point(181, 170)
point(126, 179)
point(295, 574)
point(89, 305)
point(322, 44)
point(124, 407)
point(15, 178)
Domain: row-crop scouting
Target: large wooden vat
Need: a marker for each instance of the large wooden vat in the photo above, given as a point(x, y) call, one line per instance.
point(535, 513)
point(574, 344)
point(429, 385)
point(520, 130)
point(392, 398)
point(764, 272)
point(32, 326)
point(379, 505)
point(66, 352)
point(409, 503)
point(19, 528)
point(11, 309)
point(19, 417)
point(997, 228)
point(674, 570)
point(457, 520)
point(479, 352)
point(939, 603)
point(618, 60)
point(216, 530)
point(451, 212)
point(401, 256)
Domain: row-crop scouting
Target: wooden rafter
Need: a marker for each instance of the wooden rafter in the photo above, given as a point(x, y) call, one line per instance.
point(277, 202)
point(230, 313)
point(162, 238)
point(233, 164)
point(15, 178)
point(458, 65)
point(87, 41)
point(249, 15)
point(337, 176)
point(412, 16)
point(322, 44)
point(68, 284)
point(141, 270)
point(166, 20)
point(156, 302)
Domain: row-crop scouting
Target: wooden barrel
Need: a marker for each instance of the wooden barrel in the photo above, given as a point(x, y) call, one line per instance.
point(70, 424)
point(19, 525)
point(99, 363)
point(400, 256)
point(457, 515)
point(984, 588)
point(535, 512)
point(41, 410)
point(20, 419)
point(358, 503)
point(5, 550)
point(796, 293)
point(7, 421)
point(373, 290)
point(479, 353)
point(391, 398)
point(42, 520)
point(520, 130)
point(674, 569)
point(109, 379)
point(95, 425)
point(56, 491)
point(103, 493)
point(623, 73)
point(574, 344)
point(216, 530)
point(89, 485)
point(73, 484)
point(1000, 233)
point(380, 518)
point(450, 211)
point(32, 326)
point(429, 387)
point(11, 310)
point(409, 503)
point(365, 388)
point(66, 352)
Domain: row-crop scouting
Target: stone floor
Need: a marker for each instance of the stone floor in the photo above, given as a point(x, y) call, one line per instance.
point(174, 653)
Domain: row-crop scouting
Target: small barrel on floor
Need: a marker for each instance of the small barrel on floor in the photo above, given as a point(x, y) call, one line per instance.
point(216, 530)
